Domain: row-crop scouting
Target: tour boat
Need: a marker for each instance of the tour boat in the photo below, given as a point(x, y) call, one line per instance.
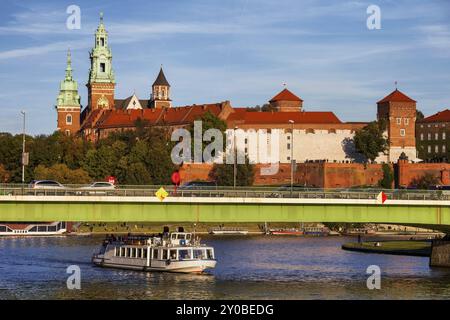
point(172, 252)
point(32, 228)
point(228, 231)
point(316, 231)
point(286, 232)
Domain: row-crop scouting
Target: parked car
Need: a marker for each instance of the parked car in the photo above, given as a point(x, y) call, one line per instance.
point(49, 187)
point(197, 188)
point(98, 188)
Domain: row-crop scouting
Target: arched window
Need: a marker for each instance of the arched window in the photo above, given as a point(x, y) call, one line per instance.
point(69, 119)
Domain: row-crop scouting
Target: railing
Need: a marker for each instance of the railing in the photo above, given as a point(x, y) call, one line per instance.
point(228, 192)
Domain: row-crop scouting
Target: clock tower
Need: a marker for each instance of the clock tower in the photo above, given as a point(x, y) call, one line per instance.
point(101, 75)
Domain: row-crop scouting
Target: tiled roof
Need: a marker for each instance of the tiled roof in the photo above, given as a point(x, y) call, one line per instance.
point(168, 116)
point(396, 96)
point(285, 95)
point(442, 116)
point(312, 117)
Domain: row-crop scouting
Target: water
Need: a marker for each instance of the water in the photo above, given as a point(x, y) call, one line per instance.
point(258, 267)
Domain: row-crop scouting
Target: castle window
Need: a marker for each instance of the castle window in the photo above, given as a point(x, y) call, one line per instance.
point(443, 148)
point(443, 135)
point(436, 149)
point(309, 130)
point(436, 136)
point(102, 67)
point(421, 136)
point(289, 146)
point(399, 120)
point(429, 149)
point(67, 132)
point(429, 136)
point(406, 121)
point(102, 42)
point(332, 131)
point(402, 132)
point(69, 119)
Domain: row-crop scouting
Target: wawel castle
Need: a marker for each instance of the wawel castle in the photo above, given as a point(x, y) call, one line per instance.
point(317, 135)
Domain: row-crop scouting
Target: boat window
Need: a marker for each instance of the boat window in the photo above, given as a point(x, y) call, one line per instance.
point(210, 253)
point(144, 253)
point(181, 236)
point(128, 252)
point(184, 254)
point(173, 254)
point(199, 254)
point(164, 254)
point(42, 228)
point(33, 229)
point(188, 236)
point(174, 236)
point(139, 253)
point(122, 252)
point(155, 254)
point(2, 228)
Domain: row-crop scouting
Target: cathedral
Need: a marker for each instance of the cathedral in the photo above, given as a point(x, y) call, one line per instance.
point(305, 135)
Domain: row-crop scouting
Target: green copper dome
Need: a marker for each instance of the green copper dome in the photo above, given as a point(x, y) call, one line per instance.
point(68, 89)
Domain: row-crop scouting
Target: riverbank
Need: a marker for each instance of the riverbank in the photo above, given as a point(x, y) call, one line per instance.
point(419, 248)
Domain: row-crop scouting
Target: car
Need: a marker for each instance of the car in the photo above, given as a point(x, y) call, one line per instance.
point(47, 187)
point(45, 184)
point(98, 188)
point(197, 188)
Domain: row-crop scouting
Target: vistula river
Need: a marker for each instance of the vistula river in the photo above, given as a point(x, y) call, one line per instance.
point(252, 267)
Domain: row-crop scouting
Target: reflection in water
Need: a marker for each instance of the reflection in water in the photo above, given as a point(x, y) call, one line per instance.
point(248, 268)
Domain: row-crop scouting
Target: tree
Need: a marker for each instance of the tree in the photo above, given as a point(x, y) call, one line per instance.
point(370, 140)
point(388, 177)
point(419, 115)
point(425, 182)
point(223, 174)
point(62, 174)
point(4, 174)
point(102, 162)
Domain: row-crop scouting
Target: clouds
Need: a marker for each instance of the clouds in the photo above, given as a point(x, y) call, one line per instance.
point(236, 50)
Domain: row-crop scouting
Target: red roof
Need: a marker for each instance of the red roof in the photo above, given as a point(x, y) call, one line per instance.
point(168, 116)
point(312, 117)
point(442, 116)
point(396, 96)
point(285, 95)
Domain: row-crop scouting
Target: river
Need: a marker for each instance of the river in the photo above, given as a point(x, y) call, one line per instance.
point(252, 267)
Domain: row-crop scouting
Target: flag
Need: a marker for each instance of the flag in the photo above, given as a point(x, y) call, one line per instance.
point(161, 194)
point(381, 198)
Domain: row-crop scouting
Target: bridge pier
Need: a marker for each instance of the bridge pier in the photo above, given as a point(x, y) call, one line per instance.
point(440, 253)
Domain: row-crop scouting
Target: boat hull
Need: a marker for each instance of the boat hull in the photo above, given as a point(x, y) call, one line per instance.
point(187, 266)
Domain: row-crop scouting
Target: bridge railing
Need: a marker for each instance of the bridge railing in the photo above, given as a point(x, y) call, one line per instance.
point(227, 192)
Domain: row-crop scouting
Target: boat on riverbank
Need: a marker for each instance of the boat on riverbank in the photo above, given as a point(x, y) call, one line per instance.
point(228, 231)
point(286, 232)
point(15, 229)
point(172, 252)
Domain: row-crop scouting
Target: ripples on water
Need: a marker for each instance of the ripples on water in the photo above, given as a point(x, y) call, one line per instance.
point(258, 267)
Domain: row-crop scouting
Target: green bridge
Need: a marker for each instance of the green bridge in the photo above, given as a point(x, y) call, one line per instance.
point(220, 209)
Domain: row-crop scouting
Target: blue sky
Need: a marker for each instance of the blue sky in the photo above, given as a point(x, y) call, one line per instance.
point(242, 51)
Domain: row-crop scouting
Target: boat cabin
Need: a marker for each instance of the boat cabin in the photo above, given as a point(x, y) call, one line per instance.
point(180, 238)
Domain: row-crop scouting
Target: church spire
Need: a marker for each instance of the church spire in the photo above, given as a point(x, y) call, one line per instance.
point(69, 66)
point(160, 96)
point(68, 90)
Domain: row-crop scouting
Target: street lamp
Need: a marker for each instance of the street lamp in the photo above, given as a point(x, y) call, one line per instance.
point(23, 148)
point(235, 159)
point(292, 155)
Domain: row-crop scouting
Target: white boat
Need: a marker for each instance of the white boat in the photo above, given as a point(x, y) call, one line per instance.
point(228, 231)
point(172, 252)
point(32, 228)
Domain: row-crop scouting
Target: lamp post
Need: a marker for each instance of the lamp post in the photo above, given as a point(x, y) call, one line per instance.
point(23, 148)
point(292, 155)
point(235, 160)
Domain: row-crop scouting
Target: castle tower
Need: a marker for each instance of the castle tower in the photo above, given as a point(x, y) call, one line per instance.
point(101, 75)
point(68, 105)
point(399, 113)
point(286, 101)
point(160, 97)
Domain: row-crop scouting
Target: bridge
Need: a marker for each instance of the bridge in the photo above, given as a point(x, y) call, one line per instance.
point(222, 205)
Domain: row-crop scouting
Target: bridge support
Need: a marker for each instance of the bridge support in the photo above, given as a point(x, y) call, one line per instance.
point(440, 253)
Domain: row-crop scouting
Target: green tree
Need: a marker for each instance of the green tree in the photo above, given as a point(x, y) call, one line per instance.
point(370, 141)
point(102, 162)
point(223, 174)
point(388, 177)
point(425, 182)
point(62, 174)
point(419, 115)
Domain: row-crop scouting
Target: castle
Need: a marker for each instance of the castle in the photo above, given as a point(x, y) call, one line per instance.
point(305, 136)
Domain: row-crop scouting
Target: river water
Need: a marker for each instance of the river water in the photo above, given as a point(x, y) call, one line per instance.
point(252, 267)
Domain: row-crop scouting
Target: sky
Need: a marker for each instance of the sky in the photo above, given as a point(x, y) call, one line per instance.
point(242, 51)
